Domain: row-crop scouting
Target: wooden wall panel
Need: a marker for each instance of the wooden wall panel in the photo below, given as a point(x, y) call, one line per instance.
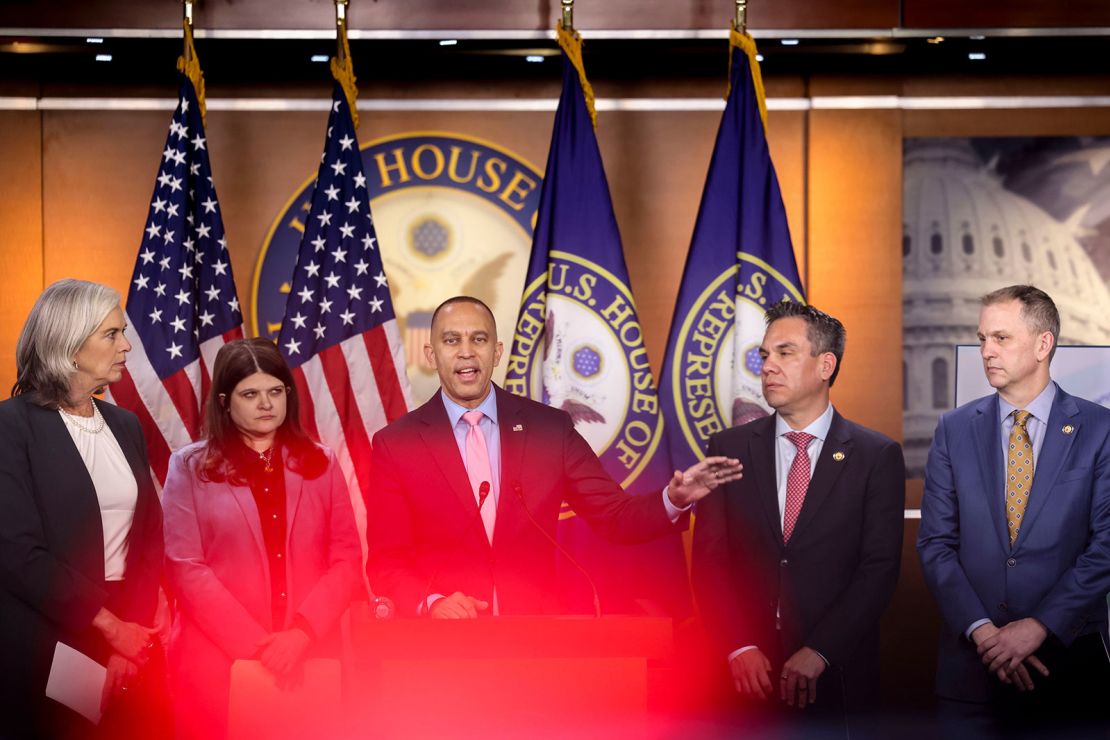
point(1004, 13)
point(787, 134)
point(447, 14)
point(20, 230)
point(98, 176)
point(1026, 122)
point(855, 259)
point(656, 164)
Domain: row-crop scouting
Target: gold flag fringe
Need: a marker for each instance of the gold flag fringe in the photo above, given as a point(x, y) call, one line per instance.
point(189, 65)
point(344, 73)
point(745, 43)
point(571, 43)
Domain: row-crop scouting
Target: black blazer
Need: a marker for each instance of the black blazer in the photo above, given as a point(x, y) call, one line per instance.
point(52, 546)
point(837, 574)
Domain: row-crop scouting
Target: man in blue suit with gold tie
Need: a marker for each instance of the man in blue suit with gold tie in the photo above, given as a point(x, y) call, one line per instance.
point(1015, 539)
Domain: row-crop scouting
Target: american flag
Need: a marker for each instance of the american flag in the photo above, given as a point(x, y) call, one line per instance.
point(340, 334)
point(181, 304)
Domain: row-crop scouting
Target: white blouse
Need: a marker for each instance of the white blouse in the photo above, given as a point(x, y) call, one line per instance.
point(116, 488)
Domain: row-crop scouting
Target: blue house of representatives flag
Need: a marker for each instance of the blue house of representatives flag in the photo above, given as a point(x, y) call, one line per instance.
point(740, 262)
point(578, 346)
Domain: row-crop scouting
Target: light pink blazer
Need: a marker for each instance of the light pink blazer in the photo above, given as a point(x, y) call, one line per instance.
point(220, 576)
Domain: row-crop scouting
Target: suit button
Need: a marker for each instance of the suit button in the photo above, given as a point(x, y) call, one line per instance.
point(1003, 607)
point(784, 562)
point(1011, 562)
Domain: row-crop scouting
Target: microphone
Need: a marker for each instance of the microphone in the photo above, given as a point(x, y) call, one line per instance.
point(593, 587)
point(483, 493)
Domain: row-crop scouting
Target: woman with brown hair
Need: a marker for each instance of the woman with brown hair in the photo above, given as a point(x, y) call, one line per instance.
point(262, 550)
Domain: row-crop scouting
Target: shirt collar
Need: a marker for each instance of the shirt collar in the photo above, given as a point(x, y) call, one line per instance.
point(1039, 408)
point(487, 407)
point(819, 427)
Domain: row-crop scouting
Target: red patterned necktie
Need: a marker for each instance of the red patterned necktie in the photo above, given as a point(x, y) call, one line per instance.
point(797, 481)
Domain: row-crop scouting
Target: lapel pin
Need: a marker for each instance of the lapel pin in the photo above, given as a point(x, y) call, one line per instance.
point(838, 456)
point(1068, 429)
point(518, 427)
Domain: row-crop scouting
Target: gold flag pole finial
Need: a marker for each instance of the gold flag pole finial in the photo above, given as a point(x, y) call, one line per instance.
point(188, 22)
point(568, 14)
point(742, 16)
point(188, 64)
point(341, 67)
point(341, 29)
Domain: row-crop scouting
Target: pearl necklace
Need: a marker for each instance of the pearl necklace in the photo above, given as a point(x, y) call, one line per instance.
point(98, 422)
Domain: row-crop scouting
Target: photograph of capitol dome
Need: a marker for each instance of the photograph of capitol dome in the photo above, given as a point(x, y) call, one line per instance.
point(982, 213)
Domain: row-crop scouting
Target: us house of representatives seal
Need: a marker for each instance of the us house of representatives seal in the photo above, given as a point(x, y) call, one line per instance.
point(716, 368)
point(454, 215)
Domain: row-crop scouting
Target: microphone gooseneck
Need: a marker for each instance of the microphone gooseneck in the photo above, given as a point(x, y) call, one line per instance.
point(519, 493)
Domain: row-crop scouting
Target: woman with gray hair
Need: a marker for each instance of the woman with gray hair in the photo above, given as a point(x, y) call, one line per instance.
point(80, 523)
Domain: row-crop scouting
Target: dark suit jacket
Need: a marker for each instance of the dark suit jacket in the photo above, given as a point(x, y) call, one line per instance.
point(422, 516)
point(52, 545)
point(1058, 570)
point(837, 574)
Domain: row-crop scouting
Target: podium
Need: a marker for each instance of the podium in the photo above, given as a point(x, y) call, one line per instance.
point(505, 676)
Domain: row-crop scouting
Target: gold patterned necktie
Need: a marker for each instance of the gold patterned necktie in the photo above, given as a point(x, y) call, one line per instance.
point(1019, 474)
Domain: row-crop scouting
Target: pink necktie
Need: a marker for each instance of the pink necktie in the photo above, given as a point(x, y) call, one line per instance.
point(478, 467)
point(797, 481)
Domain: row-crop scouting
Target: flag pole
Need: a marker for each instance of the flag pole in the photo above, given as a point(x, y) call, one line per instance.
point(571, 43)
point(741, 41)
point(342, 69)
point(188, 10)
point(188, 64)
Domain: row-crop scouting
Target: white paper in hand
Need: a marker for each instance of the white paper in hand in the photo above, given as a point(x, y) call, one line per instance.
point(77, 681)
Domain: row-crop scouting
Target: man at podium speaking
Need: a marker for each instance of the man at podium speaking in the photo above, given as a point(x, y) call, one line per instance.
point(466, 490)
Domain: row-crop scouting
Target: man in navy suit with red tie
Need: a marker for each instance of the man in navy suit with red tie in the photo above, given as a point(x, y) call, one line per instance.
point(795, 563)
point(1015, 539)
point(432, 550)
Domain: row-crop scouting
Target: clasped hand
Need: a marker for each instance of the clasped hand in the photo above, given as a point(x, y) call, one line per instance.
point(751, 674)
point(282, 654)
point(1006, 652)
